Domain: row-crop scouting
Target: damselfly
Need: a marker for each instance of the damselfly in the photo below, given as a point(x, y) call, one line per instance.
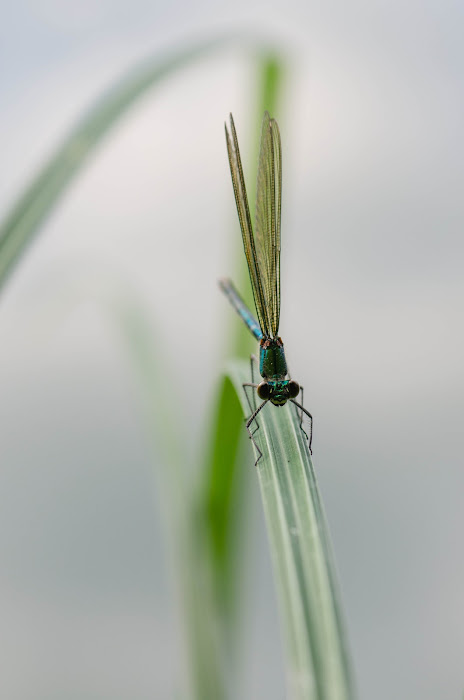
point(262, 251)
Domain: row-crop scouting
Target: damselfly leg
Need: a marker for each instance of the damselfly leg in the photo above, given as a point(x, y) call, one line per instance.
point(307, 413)
point(248, 423)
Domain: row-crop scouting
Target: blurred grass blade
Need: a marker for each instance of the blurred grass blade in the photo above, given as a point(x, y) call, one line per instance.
point(318, 665)
point(190, 557)
point(220, 492)
point(38, 199)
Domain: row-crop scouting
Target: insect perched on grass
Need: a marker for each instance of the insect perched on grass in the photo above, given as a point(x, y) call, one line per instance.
point(262, 251)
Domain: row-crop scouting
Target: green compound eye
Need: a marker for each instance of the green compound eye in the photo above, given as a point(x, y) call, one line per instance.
point(293, 389)
point(264, 390)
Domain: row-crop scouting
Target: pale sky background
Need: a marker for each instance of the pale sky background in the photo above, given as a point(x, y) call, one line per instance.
point(372, 290)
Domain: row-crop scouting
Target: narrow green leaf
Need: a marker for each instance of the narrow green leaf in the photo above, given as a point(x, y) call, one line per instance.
point(317, 660)
point(271, 72)
point(38, 200)
point(224, 498)
point(221, 493)
point(190, 557)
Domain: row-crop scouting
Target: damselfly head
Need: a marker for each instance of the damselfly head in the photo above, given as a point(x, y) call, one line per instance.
point(278, 392)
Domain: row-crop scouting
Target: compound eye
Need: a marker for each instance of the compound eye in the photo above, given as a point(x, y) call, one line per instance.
point(264, 390)
point(293, 389)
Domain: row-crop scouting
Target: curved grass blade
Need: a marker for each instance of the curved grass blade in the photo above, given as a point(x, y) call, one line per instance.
point(223, 503)
point(318, 664)
point(34, 205)
point(220, 496)
point(190, 557)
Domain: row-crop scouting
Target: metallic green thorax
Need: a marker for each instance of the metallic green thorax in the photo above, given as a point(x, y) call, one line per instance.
point(272, 363)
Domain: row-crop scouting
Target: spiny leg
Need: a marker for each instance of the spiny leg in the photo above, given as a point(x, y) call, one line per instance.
point(310, 439)
point(253, 384)
point(252, 407)
point(301, 412)
point(248, 423)
point(253, 361)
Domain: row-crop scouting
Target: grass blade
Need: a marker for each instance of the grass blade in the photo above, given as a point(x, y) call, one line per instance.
point(190, 558)
point(38, 199)
point(317, 660)
point(223, 494)
point(220, 494)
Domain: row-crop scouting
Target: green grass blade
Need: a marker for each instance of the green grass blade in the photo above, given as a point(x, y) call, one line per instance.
point(38, 200)
point(221, 489)
point(190, 558)
point(317, 660)
point(222, 498)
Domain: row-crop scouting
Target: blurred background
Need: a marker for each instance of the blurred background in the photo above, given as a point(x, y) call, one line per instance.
point(372, 291)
